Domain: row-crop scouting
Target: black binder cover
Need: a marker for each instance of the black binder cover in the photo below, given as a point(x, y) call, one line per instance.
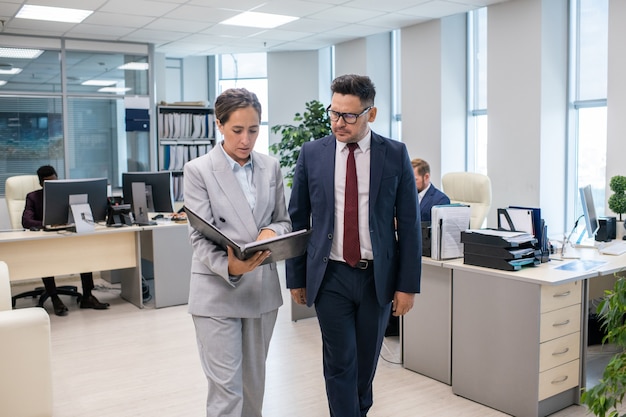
point(282, 247)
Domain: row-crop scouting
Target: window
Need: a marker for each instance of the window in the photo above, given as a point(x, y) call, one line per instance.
point(88, 137)
point(477, 91)
point(588, 92)
point(248, 71)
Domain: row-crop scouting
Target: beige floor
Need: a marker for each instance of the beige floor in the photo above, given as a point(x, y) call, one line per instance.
point(126, 362)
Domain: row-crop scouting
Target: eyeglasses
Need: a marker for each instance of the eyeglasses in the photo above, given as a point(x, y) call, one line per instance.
point(349, 118)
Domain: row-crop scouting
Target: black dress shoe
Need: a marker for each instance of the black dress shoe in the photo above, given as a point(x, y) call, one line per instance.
point(92, 302)
point(59, 307)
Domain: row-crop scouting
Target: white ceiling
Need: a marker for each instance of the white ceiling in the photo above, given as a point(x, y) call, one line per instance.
point(180, 28)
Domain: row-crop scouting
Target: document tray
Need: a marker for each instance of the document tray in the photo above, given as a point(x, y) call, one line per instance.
point(282, 247)
point(498, 263)
point(494, 240)
point(500, 252)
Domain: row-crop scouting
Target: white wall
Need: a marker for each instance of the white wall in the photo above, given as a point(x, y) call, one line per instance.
point(616, 100)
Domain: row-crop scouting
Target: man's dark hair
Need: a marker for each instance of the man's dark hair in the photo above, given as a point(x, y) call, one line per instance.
point(355, 85)
point(45, 172)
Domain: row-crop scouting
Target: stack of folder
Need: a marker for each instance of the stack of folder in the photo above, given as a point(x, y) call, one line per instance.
point(509, 251)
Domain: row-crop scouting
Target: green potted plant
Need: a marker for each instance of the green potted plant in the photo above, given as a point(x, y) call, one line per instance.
point(313, 124)
point(605, 398)
point(617, 202)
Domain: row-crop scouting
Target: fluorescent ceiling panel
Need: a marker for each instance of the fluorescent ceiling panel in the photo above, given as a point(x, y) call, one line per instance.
point(258, 20)
point(53, 14)
point(139, 66)
point(11, 71)
point(20, 53)
point(114, 89)
point(99, 83)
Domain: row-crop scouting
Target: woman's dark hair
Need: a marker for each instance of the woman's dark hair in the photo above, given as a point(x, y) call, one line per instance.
point(355, 85)
point(233, 99)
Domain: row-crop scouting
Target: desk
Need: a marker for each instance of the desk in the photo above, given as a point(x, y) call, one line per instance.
point(119, 250)
point(38, 254)
point(508, 348)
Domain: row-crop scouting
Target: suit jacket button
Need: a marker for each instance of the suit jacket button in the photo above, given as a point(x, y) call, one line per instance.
point(330, 236)
point(325, 259)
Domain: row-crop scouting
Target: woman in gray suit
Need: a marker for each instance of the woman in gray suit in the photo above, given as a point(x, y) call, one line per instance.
point(234, 303)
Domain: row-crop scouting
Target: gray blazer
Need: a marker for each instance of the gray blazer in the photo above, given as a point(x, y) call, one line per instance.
point(212, 191)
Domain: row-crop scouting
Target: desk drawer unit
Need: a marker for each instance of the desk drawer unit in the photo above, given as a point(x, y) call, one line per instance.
point(517, 344)
point(559, 348)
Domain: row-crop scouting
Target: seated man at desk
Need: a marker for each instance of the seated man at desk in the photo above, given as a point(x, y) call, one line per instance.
point(32, 219)
point(428, 194)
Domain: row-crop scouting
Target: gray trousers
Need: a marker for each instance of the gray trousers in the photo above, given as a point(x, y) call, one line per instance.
point(233, 353)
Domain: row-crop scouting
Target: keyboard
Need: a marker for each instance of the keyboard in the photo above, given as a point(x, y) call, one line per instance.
point(618, 248)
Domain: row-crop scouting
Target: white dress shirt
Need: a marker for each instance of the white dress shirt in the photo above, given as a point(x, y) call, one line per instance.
point(362, 160)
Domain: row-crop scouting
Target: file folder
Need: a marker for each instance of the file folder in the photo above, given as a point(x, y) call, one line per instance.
point(282, 247)
point(447, 223)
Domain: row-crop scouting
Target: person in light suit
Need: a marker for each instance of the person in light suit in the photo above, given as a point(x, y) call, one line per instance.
point(429, 195)
point(234, 303)
point(353, 299)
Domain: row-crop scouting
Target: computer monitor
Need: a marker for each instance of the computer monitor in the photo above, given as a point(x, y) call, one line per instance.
point(157, 189)
point(589, 211)
point(56, 199)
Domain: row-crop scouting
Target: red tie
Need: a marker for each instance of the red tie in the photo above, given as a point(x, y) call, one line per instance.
point(351, 245)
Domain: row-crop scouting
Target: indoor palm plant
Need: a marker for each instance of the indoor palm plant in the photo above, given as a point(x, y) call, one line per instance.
point(605, 398)
point(313, 124)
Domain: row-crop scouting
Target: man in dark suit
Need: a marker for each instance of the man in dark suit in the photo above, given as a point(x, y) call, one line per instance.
point(429, 195)
point(32, 218)
point(354, 279)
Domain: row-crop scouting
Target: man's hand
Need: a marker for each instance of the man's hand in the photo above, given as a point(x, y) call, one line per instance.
point(298, 295)
point(238, 267)
point(402, 303)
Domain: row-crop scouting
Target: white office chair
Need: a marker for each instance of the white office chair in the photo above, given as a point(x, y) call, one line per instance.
point(25, 358)
point(472, 189)
point(16, 188)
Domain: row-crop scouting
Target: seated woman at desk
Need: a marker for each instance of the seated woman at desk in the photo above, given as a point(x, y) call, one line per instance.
point(32, 219)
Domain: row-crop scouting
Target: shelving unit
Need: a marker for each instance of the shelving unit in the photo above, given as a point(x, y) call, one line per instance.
point(184, 133)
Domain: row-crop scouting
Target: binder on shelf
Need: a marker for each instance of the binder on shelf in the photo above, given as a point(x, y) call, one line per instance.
point(282, 247)
point(447, 223)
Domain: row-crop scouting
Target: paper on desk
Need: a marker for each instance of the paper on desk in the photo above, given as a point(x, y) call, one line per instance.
point(448, 221)
point(517, 219)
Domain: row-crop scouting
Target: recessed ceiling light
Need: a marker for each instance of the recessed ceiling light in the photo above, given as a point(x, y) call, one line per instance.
point(100, 83)
point(53, 14)
point(114, 89)
point(20, 53)
point(141, 66)
point(2, 82)
point(259, 20)
point(11, 71)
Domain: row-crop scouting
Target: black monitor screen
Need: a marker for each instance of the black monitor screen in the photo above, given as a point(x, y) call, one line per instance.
point(589, 210)
point(158, 189)
point(56, 198)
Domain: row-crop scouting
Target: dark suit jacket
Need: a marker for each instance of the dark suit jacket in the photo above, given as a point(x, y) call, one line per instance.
point(433, 197)
point(33, 211)
point(397, 256)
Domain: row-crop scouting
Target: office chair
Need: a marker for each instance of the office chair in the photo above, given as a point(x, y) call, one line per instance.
point(25, 359)
point(472, 189)
point(16, 189)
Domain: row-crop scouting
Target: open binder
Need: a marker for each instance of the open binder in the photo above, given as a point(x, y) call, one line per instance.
point(282, 247)
point(447, 223)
